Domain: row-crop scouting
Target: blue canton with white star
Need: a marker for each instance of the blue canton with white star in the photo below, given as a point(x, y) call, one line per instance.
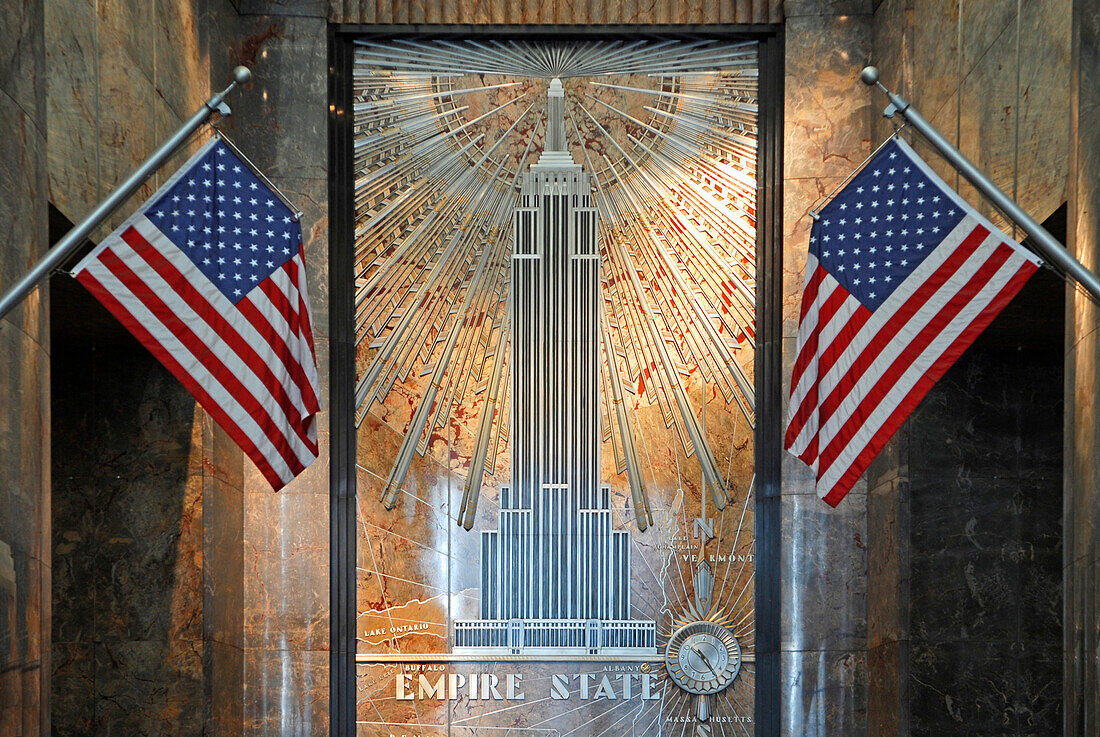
point(229, 223)
point(882, 225)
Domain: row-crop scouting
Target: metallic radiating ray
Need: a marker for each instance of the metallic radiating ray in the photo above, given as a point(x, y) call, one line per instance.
point(676, 195)
point(562, 59)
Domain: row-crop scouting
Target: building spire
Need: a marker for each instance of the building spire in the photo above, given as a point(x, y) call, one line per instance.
point(555, 154)
point(555, 125)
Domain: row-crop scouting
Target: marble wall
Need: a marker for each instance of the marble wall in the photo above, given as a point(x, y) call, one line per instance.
point(965, 613)
point(964, 530)
point(273, 636)
point(1081, 552)
point(25, 566)
point(281, 123)
point(149, 494)
point(823, 555)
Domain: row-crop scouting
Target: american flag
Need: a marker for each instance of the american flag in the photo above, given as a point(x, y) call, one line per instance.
point(902, 275)
point(208, 275)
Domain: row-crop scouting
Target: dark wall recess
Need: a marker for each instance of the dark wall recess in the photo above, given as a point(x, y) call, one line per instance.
point(965, 536)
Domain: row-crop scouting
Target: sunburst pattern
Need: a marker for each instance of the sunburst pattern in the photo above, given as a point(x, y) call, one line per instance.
point(443, 131)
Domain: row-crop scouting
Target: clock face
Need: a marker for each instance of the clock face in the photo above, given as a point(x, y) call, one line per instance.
point(703, 658)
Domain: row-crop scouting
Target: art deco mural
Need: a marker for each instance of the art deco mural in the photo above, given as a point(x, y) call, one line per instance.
point(555, 278)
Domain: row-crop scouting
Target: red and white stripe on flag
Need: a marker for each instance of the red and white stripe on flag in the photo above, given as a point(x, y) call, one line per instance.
point(209, 276)
point(869, 351)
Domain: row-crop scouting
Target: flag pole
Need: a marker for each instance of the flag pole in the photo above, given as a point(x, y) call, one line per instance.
point(71, 240)
point(1047, 245)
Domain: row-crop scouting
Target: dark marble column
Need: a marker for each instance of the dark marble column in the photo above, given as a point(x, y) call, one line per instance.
point(1081, 555)
point(24, 381)
point(965, 540)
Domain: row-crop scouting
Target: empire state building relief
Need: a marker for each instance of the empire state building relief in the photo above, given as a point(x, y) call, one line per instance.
point(555, 316)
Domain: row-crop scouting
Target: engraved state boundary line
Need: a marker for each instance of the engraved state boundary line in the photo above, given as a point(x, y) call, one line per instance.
point(477, 658)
